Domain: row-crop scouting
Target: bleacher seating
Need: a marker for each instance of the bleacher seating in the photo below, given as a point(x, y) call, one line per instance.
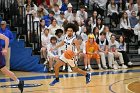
point(21, 54)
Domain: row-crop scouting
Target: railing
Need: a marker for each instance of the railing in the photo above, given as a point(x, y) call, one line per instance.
point(15, 15)
point(33, 33)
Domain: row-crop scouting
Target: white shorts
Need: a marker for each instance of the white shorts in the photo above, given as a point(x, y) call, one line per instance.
point(71, 62)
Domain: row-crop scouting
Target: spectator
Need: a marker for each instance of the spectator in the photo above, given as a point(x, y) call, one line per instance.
point(64, 5)
point(58, 2)
point(53, 27)
point(129, 11)
point(137, 31)
point(5, 31)
point(31, 4)
point(59, 35)
point(42, 11)
point(45, 40)
point(122, 49)
point(56, 11)
point(93, 19)
point(113, 47)
point(108, 33)
point(84, 34)
point(69, 11)
point(133, 19)
point(73, 18)
point(96, 33)
point(61, 19)
point(91, 51)
point(48, 18)
point(99, 6)
point(113, 13)
point(52, 54)
point(125, 26)
point(121, 5)
point(42, 26)
point(82, 14)
point(104, 51)
point(100, 25)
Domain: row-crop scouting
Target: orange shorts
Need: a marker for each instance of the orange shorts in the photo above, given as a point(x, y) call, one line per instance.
point(94, 56)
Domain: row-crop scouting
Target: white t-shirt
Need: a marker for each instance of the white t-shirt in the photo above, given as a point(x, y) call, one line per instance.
point(113, 46)
point(52, 29)
point(45, 40)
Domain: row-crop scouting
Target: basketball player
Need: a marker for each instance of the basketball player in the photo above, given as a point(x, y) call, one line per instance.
point(70, 43)
point(3, 68)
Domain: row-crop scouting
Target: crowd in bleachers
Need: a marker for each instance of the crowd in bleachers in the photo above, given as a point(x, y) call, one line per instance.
point(54, 15)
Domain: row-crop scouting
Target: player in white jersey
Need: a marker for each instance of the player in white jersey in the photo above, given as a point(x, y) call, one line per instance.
point(71, 43)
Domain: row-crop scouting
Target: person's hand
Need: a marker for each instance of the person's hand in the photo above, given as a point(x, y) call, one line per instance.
point(4, 51)
point(51, 49)
point(106, 52)
point(129, 28)
point(95, 52)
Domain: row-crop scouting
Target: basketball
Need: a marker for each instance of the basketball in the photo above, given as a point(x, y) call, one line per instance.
point(69, 54)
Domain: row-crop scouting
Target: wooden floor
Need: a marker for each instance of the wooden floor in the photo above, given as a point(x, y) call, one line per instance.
point(107, 81)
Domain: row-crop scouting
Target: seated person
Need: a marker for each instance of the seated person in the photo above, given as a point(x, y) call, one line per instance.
point(91, 51)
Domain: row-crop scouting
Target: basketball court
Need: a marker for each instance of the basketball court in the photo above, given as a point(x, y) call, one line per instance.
point(107, 81)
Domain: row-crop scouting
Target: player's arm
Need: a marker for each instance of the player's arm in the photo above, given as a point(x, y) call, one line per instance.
point(77, 44)
point(6, 39)
point(59, 45)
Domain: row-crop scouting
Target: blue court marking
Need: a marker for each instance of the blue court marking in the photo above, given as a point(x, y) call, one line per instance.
point(111, 85)
point(71, 75)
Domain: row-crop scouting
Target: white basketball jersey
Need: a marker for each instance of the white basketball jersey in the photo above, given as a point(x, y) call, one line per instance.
point(69, 43)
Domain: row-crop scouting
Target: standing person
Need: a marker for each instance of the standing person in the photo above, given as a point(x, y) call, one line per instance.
point(5, 31)
point(3, 68)
point(71, 43)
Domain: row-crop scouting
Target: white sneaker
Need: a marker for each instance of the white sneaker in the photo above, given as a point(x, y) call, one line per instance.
point(115, 67)
point(100, 68)
point(130, 63)
point(124, 66)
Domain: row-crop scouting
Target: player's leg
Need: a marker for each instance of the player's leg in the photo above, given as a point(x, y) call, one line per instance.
point(57, 65)
point(10, 74)
point(51, 64)
point(80, 71)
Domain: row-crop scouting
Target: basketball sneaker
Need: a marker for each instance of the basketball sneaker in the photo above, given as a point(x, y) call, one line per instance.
point(88, 78)
point(54, 82)
point(21, 86)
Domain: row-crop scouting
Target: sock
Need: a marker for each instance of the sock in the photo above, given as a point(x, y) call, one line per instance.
point(51, 68)
point(99, 65)
point(64, 67)
point(87, 75)
point(17, 81)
